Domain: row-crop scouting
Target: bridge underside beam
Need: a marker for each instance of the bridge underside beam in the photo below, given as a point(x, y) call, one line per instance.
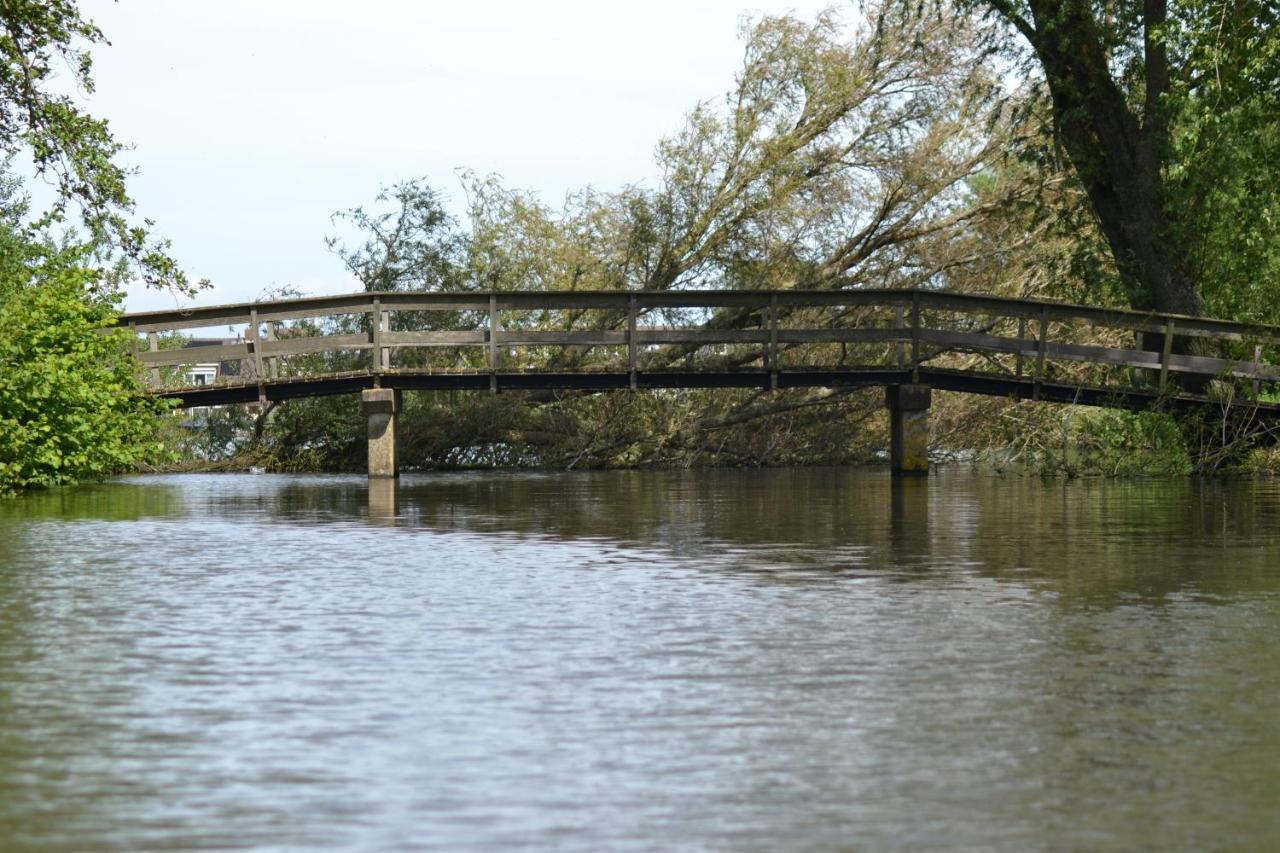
point(941, 379)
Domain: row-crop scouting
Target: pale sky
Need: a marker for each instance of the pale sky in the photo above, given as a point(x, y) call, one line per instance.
point(252, 122)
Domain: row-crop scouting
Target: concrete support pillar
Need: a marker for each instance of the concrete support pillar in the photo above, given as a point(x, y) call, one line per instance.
point(908, 428)
point(382, 407)
point(384, 501)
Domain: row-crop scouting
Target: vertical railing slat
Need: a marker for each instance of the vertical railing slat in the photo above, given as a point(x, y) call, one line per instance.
point(772, 355)
point(375, 329)
point(1042, 350)
point(631, 341)
point(1165, 352)
point(1022, 337)
point(493, 343)
point(153, 344)
point(915, 336)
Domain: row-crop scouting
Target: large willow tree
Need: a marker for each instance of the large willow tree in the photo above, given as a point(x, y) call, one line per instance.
point(836, 160)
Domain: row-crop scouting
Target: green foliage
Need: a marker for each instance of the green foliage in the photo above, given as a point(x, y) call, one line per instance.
point(881, 160)
point(836, 160)
point(71, 405)
point(1225, 170)
point(1121, 444)
point(40, 39)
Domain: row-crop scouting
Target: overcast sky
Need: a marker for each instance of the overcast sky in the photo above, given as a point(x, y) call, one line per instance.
point(252, 122)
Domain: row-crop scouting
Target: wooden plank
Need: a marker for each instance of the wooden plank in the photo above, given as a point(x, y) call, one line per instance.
point(601, 337)
point(493, 343)
point(317, 343)
point(1022, 338)
point(435, 301)
point(976, 341)
point(631, 341)
point(253, 334)
point(1208, 366)
point(1042, 349)
point(1165, 353)
point(385, 350)
point(375, 328)
point(702, 298)
point(1144, 359)
point(899, 325)
point(179, 322)
point(701, 336)
point(153, 346)
point(1104, 317)
point(771, 355)
point(1103, 355)
point(291, 309)
point(268, 312)
point(530, 300)
point(915, 334)
point(268, 335)
point(867, 335)
point(861, 297)
point(195, 355)
point(435, 339)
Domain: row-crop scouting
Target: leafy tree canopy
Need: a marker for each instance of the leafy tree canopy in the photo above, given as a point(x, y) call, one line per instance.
point(1168, 114)
point(39, 41)
point(71, 404)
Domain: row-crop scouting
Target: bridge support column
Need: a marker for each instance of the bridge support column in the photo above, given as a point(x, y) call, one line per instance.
point(382, 407)
point(908, 428)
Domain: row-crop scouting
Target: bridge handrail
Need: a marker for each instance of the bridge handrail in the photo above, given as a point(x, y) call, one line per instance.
point(263, 348)
point(364, 302)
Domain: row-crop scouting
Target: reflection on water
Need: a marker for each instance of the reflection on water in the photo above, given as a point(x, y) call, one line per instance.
point(804, 659)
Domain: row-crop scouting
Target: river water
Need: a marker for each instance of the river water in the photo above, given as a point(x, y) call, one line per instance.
point(765, 660)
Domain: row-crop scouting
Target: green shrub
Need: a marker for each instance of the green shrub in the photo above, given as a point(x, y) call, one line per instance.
point(1117, 443)
point(71, 402)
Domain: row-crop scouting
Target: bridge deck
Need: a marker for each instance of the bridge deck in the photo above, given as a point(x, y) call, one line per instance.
point(944, 379)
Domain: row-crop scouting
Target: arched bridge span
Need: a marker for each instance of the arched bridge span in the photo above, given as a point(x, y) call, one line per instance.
point(909, 341)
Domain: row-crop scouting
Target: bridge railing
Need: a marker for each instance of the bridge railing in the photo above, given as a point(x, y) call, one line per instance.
point(763, 331)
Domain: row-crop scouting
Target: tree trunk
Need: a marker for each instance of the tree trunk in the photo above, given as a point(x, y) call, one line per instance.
point(1118, 156)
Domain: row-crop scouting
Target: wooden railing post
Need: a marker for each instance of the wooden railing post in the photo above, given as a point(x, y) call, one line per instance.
point(1165, 352)
point(380, 355)
point(900, 323)
point(1257, 365)
point(493, 343)
point(1042, 350)
point(772, 356)
point(133, 339)
point(631, 341)
point(1022, 337)
point(254, 333)
point(271, 361)
point(386, 350)
point(915, 336)
point(153, 345)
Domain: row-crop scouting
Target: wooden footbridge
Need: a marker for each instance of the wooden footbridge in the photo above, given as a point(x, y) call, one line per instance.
point(909, 341)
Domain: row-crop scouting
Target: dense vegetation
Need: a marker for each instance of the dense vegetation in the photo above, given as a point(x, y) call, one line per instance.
point(1110, 152)
point(71, 405)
